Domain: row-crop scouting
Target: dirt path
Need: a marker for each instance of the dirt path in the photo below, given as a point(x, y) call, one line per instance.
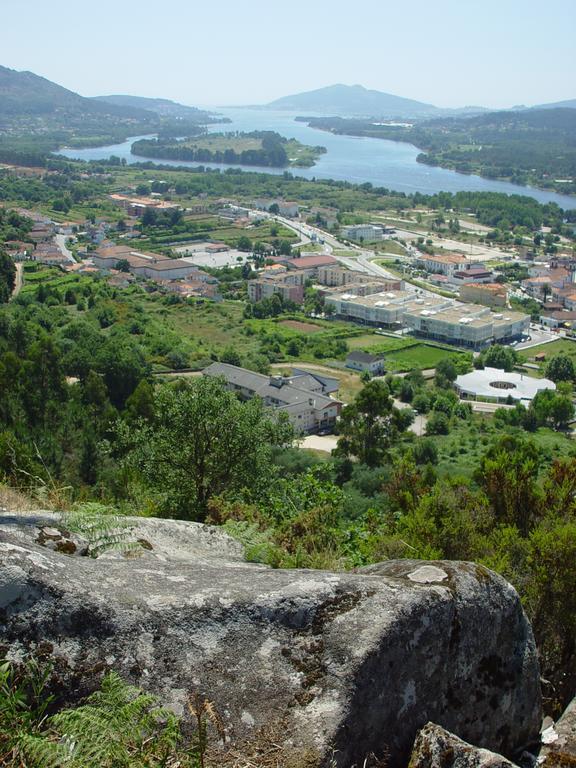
point(19, 280)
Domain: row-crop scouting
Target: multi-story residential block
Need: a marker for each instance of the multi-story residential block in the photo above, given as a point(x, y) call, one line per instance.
point(334, 276)
point(490, 294)
point(473, 275)
point(309, 265)
point(363, 233)
point(307, 408)
point(268, 286)
point(447, 263)
point(365, 289)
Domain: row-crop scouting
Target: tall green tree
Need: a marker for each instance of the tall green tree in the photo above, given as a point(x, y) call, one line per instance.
point(561, 368)
point(7, 276)
point(204, 443)
point(367, 425)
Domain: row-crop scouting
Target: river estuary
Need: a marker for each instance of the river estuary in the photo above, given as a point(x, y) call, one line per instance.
point(383, 163)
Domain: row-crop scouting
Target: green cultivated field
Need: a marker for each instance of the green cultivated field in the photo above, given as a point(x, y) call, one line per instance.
point(403, 354)
point(418, 356)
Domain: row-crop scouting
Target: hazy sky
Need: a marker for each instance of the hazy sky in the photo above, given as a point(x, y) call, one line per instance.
point(447, 52)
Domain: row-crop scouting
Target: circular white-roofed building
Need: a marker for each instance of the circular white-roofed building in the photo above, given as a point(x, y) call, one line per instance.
point(495, 384)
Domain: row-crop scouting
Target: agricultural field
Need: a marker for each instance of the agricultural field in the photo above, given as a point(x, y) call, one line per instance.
point(206, 227)
point(35, 275)
point(403, 354)
point(302, 327)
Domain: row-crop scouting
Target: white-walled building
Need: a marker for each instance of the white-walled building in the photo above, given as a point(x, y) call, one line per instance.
point(438, 318)
point(300, 396)
point(499, 385)
point(467, 325)
point(363, 233)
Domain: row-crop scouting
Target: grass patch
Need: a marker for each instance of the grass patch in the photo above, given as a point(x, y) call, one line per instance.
point(403, 354)
point(560, 347)
point(298, 325)
point(459, 453)
point(420, 356)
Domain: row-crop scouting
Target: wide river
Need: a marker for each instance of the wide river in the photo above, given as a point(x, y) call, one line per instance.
point(384, 163)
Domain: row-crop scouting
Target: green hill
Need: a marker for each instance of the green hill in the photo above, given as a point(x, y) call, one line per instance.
point(162, 107)
point(353, 100)
point(24, 93)
point(37, 116)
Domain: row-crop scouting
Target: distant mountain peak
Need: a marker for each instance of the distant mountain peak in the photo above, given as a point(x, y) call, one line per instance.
point(355, 101)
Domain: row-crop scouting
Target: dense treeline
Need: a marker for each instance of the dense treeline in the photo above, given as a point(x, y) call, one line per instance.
point(271, 153)
point(497, 210)
point(527, 147)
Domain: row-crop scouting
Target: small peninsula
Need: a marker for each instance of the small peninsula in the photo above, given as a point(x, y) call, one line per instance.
point(258, 148)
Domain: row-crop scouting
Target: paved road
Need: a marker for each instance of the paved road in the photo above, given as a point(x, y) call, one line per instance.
point(61, 243)
point(364, 261)
point(539, 338)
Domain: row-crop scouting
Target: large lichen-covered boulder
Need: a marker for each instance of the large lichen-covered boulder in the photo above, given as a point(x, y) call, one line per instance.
point(319, 666)
point(437, 748)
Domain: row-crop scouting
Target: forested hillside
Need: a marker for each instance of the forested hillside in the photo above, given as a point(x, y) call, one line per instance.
point(536, 147)
point(37, 116)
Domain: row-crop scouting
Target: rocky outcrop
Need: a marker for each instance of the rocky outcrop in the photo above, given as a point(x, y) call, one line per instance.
point(437, 748)
point(323, 665)
point(559, 750)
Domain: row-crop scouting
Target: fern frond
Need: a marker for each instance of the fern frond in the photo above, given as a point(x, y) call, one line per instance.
point(41, 752)
point(103, 529)
point(259, 546)
point(115, 725)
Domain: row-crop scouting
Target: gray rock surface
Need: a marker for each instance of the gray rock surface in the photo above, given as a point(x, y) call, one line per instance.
point(316, 663)
point(437, 748)
point(561, 737)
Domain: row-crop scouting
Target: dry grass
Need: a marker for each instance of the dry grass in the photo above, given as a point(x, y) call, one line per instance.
point(297, 325)
point(267, 748)
point(15, 501)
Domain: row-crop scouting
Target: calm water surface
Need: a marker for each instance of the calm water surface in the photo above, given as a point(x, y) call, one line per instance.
point(384, 163)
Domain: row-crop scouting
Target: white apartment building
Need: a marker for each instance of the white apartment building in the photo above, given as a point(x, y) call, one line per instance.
point(385, 309)
point(467, 325)
point(363, 233)
point(446, 264)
